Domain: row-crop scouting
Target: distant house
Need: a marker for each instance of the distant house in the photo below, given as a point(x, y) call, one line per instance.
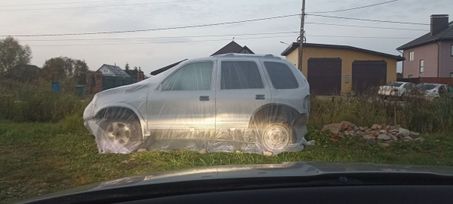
point(430, 55)
point(113, 76)
point(233, 47)
point(110, 76)
point(136, 74)
point(343, 69)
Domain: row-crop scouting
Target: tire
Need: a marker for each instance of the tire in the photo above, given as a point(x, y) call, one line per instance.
point(276, 136)
point(121, 133)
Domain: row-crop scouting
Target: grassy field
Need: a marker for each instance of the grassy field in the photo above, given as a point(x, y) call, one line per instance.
point(40, 158)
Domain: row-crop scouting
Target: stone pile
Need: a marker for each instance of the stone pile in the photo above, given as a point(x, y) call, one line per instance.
point(381, 134)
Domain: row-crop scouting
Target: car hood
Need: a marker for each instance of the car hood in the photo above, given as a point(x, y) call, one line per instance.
point(256, 171)
point(148, 83)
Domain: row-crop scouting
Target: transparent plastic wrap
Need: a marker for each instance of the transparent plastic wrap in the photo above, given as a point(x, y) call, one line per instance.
point(204, 106)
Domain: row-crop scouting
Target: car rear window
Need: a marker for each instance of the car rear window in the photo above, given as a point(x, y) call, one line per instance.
point(240, 75)
point(281, 75)
point(426, 86)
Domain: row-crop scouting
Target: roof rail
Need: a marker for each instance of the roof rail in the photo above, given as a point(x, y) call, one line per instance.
point(247, 55)
point(271, 56)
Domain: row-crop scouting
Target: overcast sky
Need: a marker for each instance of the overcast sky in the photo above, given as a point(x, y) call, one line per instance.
point(152, 50)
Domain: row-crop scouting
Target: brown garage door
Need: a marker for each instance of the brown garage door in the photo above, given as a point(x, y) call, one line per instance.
point(324, 76)
point(367, 75)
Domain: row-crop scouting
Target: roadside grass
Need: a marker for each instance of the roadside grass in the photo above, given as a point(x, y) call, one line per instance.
point(40, 158)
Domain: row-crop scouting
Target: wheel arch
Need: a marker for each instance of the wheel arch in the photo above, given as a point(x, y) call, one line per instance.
point(121, 109)
point(273, 111)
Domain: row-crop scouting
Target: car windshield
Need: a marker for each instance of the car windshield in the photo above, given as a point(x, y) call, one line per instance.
point(92, 91)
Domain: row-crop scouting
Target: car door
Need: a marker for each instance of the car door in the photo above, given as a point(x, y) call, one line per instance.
point(240, 90)
point(185, 99)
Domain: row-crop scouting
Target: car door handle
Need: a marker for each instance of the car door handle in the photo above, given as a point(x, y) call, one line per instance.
point(259, 97)
point(204, 98)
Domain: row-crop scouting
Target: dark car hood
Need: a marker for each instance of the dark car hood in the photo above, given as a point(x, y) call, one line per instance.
point(299, 169)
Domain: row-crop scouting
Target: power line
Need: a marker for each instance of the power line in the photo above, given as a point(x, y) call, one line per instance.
point(362, 26)
point(57, 3)
point(278, 34)
point(365, 37)
point(84, 7)
point(223, 35)
point(162, 42)
point(197, 26)
point(368, 20)
point(215, 35)
point(214, 40)
point(355, 8)
point(162, 37)
point(151, 29)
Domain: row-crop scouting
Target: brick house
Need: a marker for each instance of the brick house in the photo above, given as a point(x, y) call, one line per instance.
point(343, 69)
point(430, 55)
point(110, 76)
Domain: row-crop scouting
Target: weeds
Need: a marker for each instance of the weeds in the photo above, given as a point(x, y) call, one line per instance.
point(416, 114)
point(35, 103)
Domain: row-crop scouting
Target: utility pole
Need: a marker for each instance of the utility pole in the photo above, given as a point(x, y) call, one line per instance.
point(301, 36)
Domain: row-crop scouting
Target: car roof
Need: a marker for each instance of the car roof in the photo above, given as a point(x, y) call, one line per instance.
point(435, 84)
point(236, 55)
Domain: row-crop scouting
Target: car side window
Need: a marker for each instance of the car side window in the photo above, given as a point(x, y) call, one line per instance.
point(281, 75)
point(194, 76)
point(240, 75)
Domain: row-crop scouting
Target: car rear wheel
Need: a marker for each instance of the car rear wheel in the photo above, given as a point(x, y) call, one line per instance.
point(121, 134)
point(275, 137)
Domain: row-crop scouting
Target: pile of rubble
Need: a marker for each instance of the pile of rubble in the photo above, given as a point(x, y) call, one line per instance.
point(381, 134)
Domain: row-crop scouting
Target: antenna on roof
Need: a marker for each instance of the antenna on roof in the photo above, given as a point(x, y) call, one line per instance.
point(233, 38)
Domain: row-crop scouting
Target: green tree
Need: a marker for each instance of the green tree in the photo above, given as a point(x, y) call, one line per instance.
point(80, 71)
point(64, 68)
point(57, 69)
point(13, 54)
point(24, 73)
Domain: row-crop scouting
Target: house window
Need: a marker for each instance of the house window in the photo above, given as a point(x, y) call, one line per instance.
point(411, 56)
point(451, 50)
point(451, 74)
point(410, 76)
point(422, 66)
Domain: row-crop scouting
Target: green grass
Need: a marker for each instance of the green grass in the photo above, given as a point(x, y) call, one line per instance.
point(40, 158)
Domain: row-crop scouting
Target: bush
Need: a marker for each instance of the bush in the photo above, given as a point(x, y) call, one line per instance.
point(34, 104)
point(73, 123)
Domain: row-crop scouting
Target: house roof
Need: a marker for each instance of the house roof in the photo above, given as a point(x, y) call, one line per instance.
point(112, 70)
point(447, 34)
point(233, 47)
point(134, 72)
point(295, 45)
point(246, 49)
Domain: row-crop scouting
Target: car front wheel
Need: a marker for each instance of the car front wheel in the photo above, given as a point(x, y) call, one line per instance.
point(120, 134)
